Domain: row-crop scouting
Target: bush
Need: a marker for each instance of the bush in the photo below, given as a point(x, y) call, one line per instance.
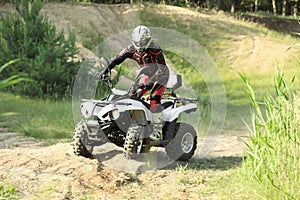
point(45, 56)
point(272, 154)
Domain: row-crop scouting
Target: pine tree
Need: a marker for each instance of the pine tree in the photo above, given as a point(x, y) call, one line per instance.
point(46, 56)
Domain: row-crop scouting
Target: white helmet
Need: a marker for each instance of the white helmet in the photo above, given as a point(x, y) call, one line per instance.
point(141, 37)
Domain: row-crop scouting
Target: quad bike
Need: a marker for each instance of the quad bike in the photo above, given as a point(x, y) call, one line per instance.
point(126, 121)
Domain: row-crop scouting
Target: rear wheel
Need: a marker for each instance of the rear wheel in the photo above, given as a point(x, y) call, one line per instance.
point(184, 144)
point(169, 130)
point(81, 145)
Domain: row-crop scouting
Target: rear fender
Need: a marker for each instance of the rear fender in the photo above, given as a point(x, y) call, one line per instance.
point(170, 114)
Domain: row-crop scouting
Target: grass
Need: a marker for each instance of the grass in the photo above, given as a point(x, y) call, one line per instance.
point(272, 154)
point(270, 15)
point(208, 178)
point(43, 119)
point(91, 38)
point(7, 191)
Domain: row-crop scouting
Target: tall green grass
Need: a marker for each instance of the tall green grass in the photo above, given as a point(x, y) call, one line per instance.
point(273, 148)
point(43, 119)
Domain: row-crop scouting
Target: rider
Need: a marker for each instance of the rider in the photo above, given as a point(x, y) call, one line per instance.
point(149, 56)
point(154, 71)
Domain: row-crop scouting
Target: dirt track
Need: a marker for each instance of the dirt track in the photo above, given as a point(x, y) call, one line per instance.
point(54, 172)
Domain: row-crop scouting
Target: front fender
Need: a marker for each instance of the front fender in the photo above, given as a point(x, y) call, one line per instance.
point(103, 113)
point(170, 114)
point(122, 106)
point(136, 106)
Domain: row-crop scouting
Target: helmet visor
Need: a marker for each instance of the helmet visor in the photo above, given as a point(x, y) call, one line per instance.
point(141, 44)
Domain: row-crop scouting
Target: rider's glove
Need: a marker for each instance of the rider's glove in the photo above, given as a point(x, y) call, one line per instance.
point(148, 86)
point(101, 75)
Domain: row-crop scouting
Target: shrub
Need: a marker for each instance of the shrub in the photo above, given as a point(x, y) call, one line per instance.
point(272, 154)
point(45, 56)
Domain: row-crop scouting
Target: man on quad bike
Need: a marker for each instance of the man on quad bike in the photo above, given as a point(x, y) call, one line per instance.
point(154, 71)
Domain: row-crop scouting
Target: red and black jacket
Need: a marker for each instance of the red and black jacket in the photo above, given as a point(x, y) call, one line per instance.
point(151, 60)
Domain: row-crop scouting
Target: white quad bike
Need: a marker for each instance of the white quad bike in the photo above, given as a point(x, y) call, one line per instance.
point(126, 121)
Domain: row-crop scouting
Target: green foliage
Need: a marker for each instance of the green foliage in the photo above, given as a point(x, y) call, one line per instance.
point(4, 83)
point(45, 56)
point(10, 80)
point(93, 39)
point(272, 154)
point(192, 76)
point(7, 191)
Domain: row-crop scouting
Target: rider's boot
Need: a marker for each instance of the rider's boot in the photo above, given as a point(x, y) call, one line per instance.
point(157, 126)
point(157, 116)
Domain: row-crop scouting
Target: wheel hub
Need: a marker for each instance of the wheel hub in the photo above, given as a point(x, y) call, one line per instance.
point(187, 142)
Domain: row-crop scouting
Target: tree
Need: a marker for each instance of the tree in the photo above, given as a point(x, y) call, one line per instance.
point(232, 6)
point(187, 3)
point(210, 4)
point(274, 7)
point(256, 5)
point(46, 56)
point(284, 7)
point(295, 8)
point(219, 4)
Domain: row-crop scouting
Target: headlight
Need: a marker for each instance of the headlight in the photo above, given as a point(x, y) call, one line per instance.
point(86, 109)
point(115, 114)
point(84, 112)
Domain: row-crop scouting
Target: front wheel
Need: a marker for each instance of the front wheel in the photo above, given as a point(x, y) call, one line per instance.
point(134, 141)
point(184, 144)
point(81, 145)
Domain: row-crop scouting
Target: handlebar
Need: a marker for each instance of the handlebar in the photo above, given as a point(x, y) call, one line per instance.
point(106, 78)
